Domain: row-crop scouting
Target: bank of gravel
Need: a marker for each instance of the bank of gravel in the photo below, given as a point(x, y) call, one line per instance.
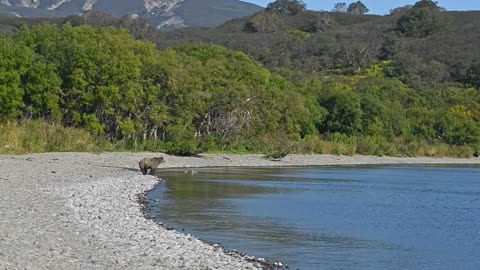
point(81, 211)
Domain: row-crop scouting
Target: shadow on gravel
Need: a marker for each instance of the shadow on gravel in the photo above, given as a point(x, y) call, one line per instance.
point(123, 168)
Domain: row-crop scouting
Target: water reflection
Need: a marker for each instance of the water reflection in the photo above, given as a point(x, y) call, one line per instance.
point(331, 217)
point(200, 201)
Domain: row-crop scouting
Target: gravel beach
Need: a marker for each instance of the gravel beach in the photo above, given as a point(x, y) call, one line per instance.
point(82, 211)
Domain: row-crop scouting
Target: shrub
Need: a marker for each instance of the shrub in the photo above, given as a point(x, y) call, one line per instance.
point(277, 146)
point(181, 148)
point(298, 34)
point(181, 141)
point(422, 20)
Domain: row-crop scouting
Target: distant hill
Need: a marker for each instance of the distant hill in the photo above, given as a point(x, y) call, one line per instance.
point(345, 43)
point(166, 14)
point(316, 42)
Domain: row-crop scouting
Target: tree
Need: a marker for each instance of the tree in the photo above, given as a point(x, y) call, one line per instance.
point(290, 7)
point(357, 8)
point(15, 60)
point(424, 19)
point(264, 22)
point(456, 127)
point(427, 4)
point(400, 10)
point(42, 92)
point(353, 57)
point(472, 76)
point(433, 72)
point(229, 95)
point(312, 22)
point(340, 7)
point(344, 110)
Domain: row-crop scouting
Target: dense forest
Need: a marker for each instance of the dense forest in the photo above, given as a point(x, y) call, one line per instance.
point(283, 80)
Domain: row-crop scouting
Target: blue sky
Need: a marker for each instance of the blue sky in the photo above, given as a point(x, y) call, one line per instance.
point(381, 6)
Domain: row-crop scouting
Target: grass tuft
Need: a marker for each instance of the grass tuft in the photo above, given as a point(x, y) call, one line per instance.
point(36, 136)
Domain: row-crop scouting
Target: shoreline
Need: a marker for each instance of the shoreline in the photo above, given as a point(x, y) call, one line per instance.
point(260, 262)
point(82, 211)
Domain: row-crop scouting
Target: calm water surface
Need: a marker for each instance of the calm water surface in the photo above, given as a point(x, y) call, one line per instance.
point(388, 217)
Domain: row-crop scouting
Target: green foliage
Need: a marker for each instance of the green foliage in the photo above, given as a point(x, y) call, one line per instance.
point(277, 146)
point(290, 7)
point(344, 110)
point(422, 121)
point(374, 145)
point(181, 141)
point(472, 76)
point(228, 94)
point(426, 4)
point(298, 34)
point(264, 22)
point(424, 19)
point(456, 127)
point(194, 98)
point(454, 47)
point(357, 8)
point(42, 91)
point(15, 60)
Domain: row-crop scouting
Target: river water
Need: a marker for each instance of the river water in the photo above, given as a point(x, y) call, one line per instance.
point(351, 217)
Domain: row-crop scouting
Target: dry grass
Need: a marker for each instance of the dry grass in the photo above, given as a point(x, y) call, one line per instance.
point(37, 136)
point(379, 146)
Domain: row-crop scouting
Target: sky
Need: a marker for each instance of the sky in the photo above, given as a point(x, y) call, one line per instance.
point(381, 7)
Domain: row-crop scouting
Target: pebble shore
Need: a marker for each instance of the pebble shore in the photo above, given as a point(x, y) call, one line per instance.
point(82, 211)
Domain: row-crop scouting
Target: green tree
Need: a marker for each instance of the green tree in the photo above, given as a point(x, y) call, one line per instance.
point(423, 19)
point(181, 140)
point(265, 22)
point(340, 7)
point(43, 94)
point(427, 4)
point(15, 60)
point(472, 76)
point(400, 10)
point(456, 127)
point(289, 7)
point(383, 103)
point(226, 92)
point(422, 122)
point(357, 8)
point(344, 110)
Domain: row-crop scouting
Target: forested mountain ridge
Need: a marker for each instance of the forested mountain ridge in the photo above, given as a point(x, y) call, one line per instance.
point(315, 82)
point(344, 43)
point(331, 42)
point(164, 14)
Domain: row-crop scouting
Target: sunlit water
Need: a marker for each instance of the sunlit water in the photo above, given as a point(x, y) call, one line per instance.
point(421, 217)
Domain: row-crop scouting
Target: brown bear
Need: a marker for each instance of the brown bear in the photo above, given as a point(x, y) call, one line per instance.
point(150, 163)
